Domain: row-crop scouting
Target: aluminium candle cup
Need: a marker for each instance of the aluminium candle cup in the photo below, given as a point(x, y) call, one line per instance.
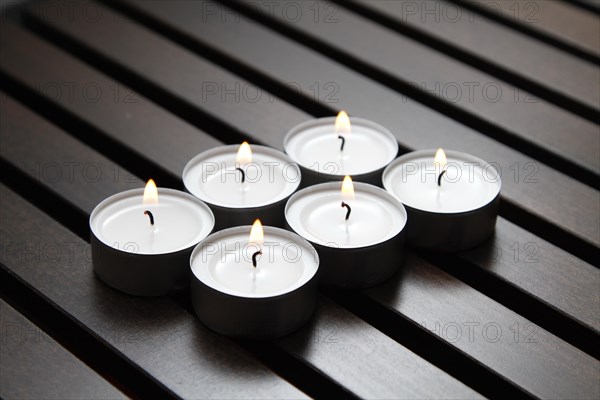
point(367, 259)
point(233, 298)
point(456, 216)
point(271, 179)
point(127, 261)
point(314, 145)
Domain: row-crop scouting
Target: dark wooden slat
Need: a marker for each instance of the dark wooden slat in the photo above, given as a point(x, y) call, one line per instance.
point(336, 337)
point(557, 23)
point(461, 303)
point(557, 19)
point(542, 364)
point(425, 380)
point(517, 114)
point(209, 89)
point(84, 171)
point(549, 199)
point(496, 45)
point(588, 5)
point(542, 270)
point(33, 365)
point(569, 283)
point(100, 99)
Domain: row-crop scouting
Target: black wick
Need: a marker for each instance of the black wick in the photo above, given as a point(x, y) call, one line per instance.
point(349, 209)
point(343, 142)
point(149, 214)
point(440, 177)
point(243, 174)
point(254, 257)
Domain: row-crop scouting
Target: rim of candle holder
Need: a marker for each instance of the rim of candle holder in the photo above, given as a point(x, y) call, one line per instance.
point(268, 230)
point(387, 184)
point(357, 186)
point(331, 121)
point(232, 150)
point(140, 192)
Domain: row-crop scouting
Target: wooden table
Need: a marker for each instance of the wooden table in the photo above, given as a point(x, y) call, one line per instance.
point(98, 97)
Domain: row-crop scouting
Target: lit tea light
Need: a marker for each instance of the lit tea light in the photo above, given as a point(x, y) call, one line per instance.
point(243, 182)
point(327, 149)
point(360, 245)
point(254, 282)
point(141, 245)
point(451, 198)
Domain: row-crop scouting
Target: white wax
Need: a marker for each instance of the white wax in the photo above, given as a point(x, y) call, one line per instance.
point(180, 222)
point(468, 184)
point(315, 145)
point(223, 261)
point(212, 177)
point(316, 214)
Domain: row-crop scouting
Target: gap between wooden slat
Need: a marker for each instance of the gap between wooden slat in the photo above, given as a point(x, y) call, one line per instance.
point(519, 301)
point(84, 344)
point(542, 37)
point(433, 349)
point(513, 212)
point(585, 5)
point(114, 150)
point(448, 48)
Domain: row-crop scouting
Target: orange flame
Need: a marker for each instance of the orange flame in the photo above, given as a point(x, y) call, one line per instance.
point(244, 154)
point(257, 235)
point(347, 189)
point(150, 193)
point(342, 123)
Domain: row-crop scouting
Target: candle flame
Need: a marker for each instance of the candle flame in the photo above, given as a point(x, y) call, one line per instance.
point(440, 159)
point(342, 123)
point(150, 193)
point(244, 154)
point(347, 189)
point(257, 236)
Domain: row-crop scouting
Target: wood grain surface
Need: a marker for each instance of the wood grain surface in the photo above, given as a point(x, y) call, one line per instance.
point(33, 365)
point(96, 97)
point(517, 55)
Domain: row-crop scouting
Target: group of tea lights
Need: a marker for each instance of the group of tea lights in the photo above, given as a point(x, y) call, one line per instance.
point(261, 282)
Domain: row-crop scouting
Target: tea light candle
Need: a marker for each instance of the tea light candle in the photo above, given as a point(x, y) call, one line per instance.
point(254, 286)
point(451, 198)
point(357, 231)
point(240, 183)
point(327, 149)
point(141, 245)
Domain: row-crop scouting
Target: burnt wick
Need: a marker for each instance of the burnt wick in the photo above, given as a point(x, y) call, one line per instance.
point(440, 177)
point(349, 209)
point(243, 174)
point(259, 252)
point(149, 214)
point(343, 142)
